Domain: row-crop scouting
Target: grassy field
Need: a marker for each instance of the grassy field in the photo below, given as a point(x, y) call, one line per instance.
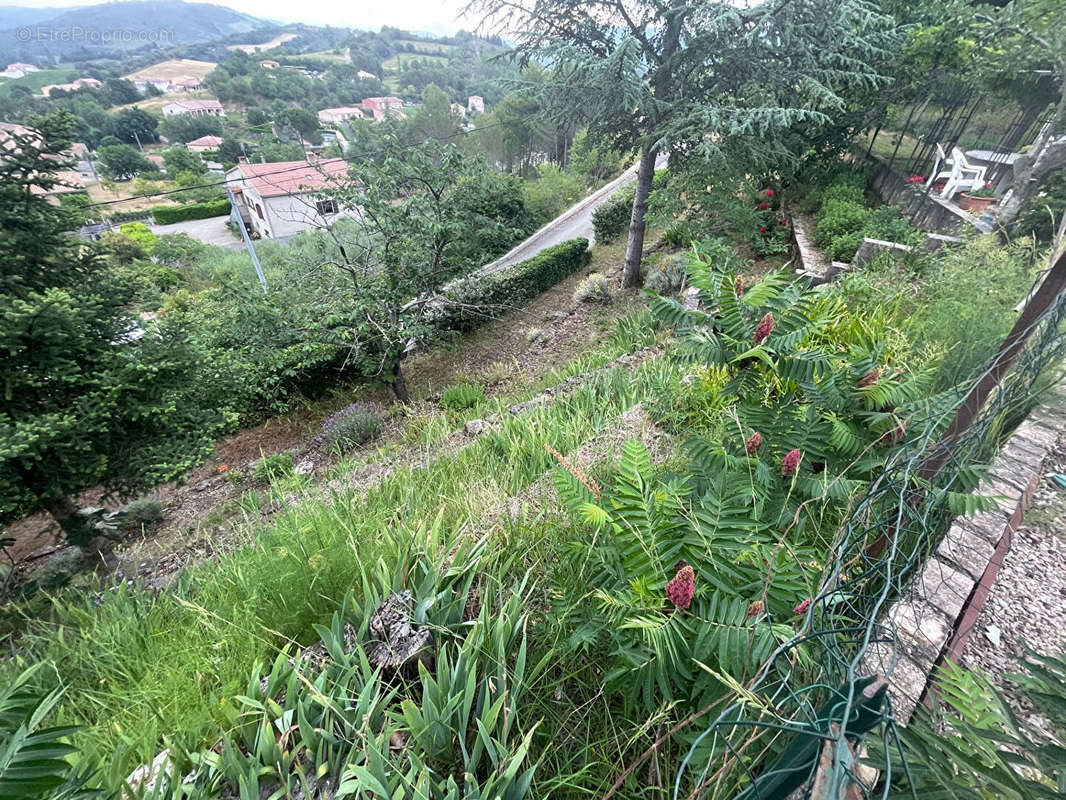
point(277, 41)
point(35, 80)
point(175, 68)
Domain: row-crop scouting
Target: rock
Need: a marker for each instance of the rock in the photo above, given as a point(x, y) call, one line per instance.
point(475, 427)
point(202, 486)
point(992, 633)
point(147, 775)
point(305, 467)
point(396, 639)
point(58, 567)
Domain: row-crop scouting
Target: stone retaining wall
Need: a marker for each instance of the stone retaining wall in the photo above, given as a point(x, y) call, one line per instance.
point(933, 620)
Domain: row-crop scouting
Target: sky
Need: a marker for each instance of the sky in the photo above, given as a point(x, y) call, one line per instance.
point(437, 16)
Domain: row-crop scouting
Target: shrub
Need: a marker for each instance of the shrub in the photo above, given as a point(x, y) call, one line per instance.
point(535, 335)
point(142, 513)
point(611, 219)
point(667, 276)
point(473, 300)
point(679, 234)
point(166, 215)
point(844, 247)
point(839, 217)
point(275, 465)
point(594, 289)
point(352, 426)
point(462, 396)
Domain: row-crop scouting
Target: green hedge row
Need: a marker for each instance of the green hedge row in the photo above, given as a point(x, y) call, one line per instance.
point(165, 215)
point(474, 301)
point(612, 218)
point(128, 216)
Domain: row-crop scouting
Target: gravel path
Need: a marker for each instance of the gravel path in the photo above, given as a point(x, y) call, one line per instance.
point(1027, 603)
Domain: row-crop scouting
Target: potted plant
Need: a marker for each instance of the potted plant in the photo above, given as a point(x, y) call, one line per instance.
point(977, 202)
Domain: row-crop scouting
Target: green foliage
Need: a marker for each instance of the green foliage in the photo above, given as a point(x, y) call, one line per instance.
point(472, 301)
point(122, 161)
point(167, 215)
point(181, 159)
point(1041, 216)
point(668, 276)
point(352, 426)
point(611, 218)
point(91, 398)
point(462, 396)
point(33, 758)
point(844, 219)
point(593, 289)
point(990, 751)
point(551, 193)
point(273, 466)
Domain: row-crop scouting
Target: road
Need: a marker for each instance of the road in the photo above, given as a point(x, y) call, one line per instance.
point(208, 231)
point(574, 223)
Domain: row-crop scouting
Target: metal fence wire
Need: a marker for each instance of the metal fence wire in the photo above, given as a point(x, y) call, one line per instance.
point(795, 730)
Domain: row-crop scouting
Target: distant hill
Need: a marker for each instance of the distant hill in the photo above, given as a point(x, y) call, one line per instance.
point(47, 35)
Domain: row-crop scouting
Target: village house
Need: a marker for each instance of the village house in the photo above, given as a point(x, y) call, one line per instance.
point(157, 159)
point(196, 108)
point(73, 86)
point(279, 200)
point(365, 75)
point(18, 69)
point(204, 144)
point(269, 63)
point(475, 104)
point(382, 107)
point(335, 116)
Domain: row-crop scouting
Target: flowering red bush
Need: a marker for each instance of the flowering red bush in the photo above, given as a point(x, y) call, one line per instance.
point(802, 608)
point(790, 463)
point(915, 179)
point(762, 230)
point(682, 587)
point(769, 192)
point(784, 223)
point(765, 328)
point(753, 444)
point(763, 206)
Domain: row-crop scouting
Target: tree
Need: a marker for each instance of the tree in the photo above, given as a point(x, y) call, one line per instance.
point(186, 127)
point(393, 259)
point(230, 151)
point(1035, 40)
point(301, 121)
point(120, 91)
point(434, 119)
point(136, 126)
point(89, 398)
point(181, 159)
point(705, 79)
point(122, 161)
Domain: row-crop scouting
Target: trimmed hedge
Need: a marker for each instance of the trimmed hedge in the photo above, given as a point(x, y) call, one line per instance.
point(165, 215)
point(612, 218)
point(476, 300)
point(128, 216)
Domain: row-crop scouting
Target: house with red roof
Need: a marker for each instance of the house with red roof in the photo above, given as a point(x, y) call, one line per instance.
point(204, 144)
point(196, 108)
point(284, 198)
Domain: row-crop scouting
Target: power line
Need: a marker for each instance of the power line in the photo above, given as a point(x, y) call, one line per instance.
point(302, 166)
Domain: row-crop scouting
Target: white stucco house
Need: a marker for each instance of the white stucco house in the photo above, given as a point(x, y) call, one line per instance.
point(281, 199)
point(334, 116)
point(18, 69)
point(196, 108)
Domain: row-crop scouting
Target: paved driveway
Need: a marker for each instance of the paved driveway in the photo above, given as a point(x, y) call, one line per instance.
point(208, 231)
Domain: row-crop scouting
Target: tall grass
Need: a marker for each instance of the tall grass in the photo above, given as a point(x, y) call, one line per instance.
point(143, 672)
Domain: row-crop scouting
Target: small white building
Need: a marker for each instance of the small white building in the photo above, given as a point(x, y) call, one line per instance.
point(281, 199)
point(18, 69)
point(475, 103)
point(334, 116)
point(204, 144)
point(196, 108)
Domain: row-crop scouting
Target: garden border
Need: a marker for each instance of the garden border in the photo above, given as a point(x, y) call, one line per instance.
point(934, 618)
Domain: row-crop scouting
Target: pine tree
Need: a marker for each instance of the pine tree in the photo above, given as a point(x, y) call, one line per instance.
point(88, 397)
point(709, 79)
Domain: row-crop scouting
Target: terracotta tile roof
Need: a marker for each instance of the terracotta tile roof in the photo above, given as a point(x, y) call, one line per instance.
point(292, 177)
point(206, 141)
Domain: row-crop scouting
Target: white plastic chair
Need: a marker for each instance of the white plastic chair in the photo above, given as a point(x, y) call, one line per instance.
point(962, 177)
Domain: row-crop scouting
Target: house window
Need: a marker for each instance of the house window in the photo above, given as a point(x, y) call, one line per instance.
point(326, 207)
point(259, 211)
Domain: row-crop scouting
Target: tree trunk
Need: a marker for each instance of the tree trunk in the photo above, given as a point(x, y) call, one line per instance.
point(631, 276)
point(1029, 172)
point(399, 385)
